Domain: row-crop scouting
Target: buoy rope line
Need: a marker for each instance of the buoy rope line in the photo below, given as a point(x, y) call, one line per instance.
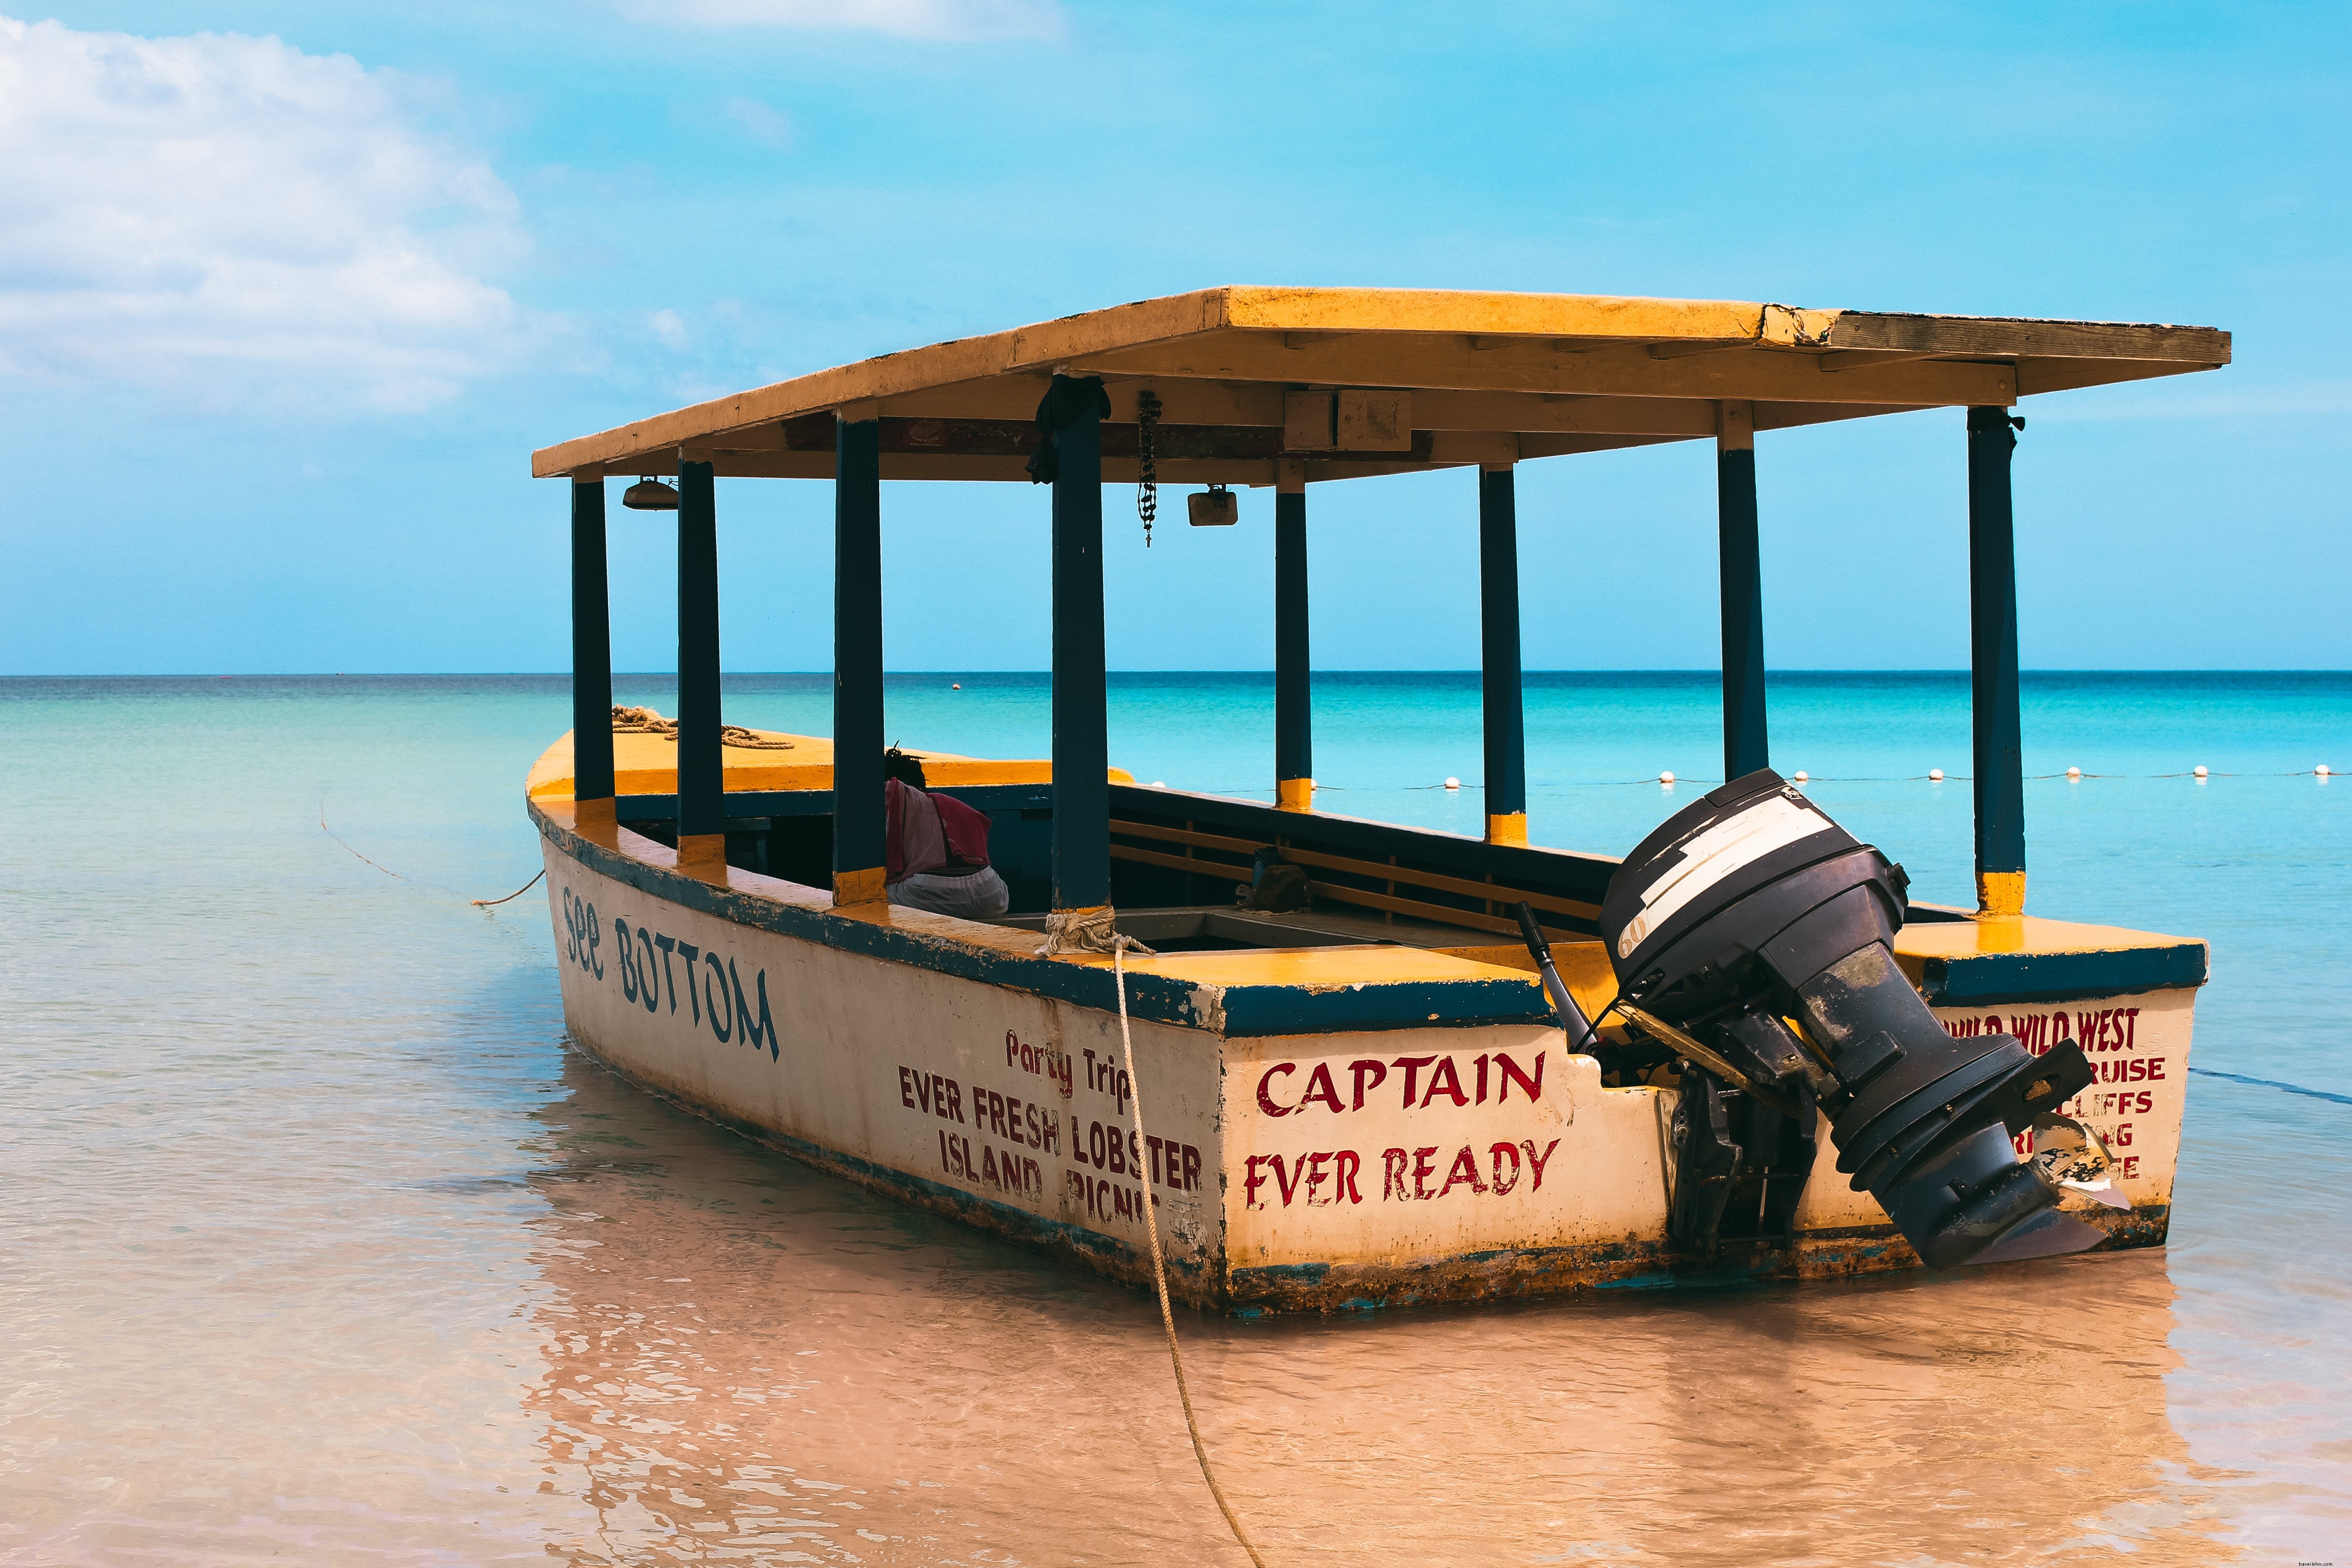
point(2274, 1083)
point(1160, 1264)
point(1890, 778)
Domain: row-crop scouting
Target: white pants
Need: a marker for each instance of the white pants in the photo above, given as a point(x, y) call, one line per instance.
point(975, 896)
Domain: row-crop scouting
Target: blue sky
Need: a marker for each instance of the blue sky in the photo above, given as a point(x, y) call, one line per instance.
point(287, 294)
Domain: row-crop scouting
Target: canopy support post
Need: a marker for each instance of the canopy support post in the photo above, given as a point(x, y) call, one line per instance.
point(593, 805)
point(1745, 747)
point(1999, 759)
point(860, 811)
point(1293, 700)
point(1498, 641)
point(1081, 715)
point(701, 772)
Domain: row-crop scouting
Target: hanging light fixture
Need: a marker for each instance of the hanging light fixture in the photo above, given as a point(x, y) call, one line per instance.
point(1215, 507)
point(649, 495)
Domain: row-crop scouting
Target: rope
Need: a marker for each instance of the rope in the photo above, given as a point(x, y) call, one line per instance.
point(346, 844)
point(1120, 945)
point(518, 893)
point(645, 721)
point(477, 903)
point(1090, 930)
point(2210, 1072)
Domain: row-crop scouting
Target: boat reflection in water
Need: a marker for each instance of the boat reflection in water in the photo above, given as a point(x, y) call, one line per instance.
point(748, 1358)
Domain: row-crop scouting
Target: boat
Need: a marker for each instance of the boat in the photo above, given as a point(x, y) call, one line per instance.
point(1420, 1066)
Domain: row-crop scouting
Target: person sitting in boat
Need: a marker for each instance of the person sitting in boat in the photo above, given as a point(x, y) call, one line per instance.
point(935, 857)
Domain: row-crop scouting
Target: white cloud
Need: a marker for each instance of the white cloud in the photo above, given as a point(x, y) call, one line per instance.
point(669, 328)
point(771, 126)
point(232, 214)
point(945, 19)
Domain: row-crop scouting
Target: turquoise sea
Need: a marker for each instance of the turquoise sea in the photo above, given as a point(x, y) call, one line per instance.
point(318, 1245)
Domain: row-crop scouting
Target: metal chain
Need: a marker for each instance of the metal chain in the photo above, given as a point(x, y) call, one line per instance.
point(1147, 472)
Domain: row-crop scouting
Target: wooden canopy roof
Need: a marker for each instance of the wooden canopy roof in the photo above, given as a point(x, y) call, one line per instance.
point(1352, 381)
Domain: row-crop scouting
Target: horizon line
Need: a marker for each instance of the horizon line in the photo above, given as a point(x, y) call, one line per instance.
point(972, 672)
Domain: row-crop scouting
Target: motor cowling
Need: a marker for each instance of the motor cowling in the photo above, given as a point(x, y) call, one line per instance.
point(1751, 908)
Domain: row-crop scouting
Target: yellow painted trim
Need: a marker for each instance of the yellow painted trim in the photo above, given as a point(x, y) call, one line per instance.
point(1583, 965)
point(701, 853)
point(1294, 795)
point(1924, 940)
point(1509, 828)
point(647, 765)
point(596, 819)
point(2000, 893)
point(1318, 967)
point(863, 887)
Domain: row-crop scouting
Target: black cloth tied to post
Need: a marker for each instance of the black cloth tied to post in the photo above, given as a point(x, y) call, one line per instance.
point(1068, 400)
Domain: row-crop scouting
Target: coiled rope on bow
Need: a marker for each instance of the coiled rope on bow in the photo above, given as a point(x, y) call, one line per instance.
point(1119, 945)
point(645, 721)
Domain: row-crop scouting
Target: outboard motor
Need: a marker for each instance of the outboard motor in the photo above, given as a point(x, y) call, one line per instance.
point(1752, 910)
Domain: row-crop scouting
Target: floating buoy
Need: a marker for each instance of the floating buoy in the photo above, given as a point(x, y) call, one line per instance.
point(2199, 770)
point(1666, 778)
point(2074, 772)
point(955, 685)
point(2321, 770)
point(1452, 784)
point(1935, 775)
point(1802, 776)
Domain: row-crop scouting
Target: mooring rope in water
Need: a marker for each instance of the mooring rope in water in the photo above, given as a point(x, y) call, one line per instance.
point(518, 893)
point(1160, 1264)
point(477, 903)
point(346, 843)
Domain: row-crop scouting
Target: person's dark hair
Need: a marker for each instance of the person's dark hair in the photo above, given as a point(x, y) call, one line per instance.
point(904, 766)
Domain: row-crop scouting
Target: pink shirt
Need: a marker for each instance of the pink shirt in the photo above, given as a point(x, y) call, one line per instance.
point(917, 843)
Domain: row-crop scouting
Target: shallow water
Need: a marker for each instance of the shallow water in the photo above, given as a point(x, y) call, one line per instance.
point(318, 1245)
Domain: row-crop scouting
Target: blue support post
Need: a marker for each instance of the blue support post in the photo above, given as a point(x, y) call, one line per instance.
point(1992, 665)
point(1293, 701)
point(1498, 662)
point(592, 659)
point(860, 825)
point(701, 775)
point(1745, 748)
point(1081, 716)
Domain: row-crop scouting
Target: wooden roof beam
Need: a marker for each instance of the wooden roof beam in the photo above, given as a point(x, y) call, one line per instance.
point(1455, 340)
point(2008, 338)
point(1682, 351)
point(1864, 359)
point(1444, 361)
